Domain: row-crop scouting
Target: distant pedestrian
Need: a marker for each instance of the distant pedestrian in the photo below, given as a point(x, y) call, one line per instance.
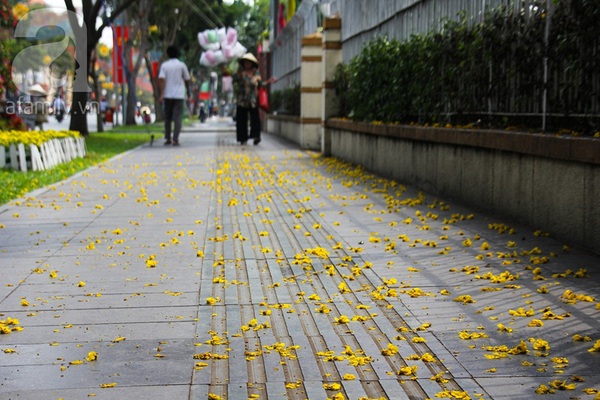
point(58, 106)
point(173, 81)
point(248, 80)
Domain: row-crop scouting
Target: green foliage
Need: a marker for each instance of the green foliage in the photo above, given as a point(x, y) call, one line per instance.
point(252, 27)
point(341, 84)
point(470, 71)
point(286, 101)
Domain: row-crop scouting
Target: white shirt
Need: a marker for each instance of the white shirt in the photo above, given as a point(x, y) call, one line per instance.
point(175, 73)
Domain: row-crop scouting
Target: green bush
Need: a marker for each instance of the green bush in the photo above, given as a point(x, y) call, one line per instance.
point(491, 71)
point(286, 101)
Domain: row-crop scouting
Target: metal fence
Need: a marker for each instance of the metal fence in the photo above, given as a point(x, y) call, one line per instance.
point(287, 46)
point(364, 20)
point(551, 75)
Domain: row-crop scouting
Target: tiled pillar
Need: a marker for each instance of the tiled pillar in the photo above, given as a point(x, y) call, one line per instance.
point(311, 108)
point(332, 56)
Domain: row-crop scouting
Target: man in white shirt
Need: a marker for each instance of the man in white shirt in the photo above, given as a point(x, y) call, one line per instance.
point(173, 81)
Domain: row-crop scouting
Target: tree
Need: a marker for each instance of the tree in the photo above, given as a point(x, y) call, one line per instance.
point(87, 37)
point(139, 26)
point(254, 26)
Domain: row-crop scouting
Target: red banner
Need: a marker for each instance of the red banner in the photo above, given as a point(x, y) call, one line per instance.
point(120, 35)
point(154, 69)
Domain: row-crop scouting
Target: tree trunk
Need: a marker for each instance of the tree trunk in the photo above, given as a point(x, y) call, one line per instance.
point(98, 96)
point(158, 110)
point(79, 114)
point(131, 100)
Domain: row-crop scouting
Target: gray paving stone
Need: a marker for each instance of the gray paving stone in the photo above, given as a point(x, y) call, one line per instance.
point(166, 306)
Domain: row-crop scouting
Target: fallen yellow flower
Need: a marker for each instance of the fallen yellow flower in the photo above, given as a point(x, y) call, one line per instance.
point(535, 323)
point(578, 338)
point(466, 335)
point(465, 299)
point(595, 348)
point(332, 386)
point(390, 351)
point(453, 394)
point(503, 328)
point(562, 385)
point(92, 356)
point(408, 370)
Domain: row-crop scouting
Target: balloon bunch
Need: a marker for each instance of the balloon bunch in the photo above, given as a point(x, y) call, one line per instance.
point(220, 45)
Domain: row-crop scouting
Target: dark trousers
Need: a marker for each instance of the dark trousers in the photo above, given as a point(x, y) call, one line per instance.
point(241, 124)
point(173, 114)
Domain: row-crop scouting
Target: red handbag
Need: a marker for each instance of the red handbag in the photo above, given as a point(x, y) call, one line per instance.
point(263, 99)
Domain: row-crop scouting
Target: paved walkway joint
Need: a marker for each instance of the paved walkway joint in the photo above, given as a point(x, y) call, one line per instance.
point(214, 270)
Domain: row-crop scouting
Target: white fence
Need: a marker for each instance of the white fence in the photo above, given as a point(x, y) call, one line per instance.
point(48, 155)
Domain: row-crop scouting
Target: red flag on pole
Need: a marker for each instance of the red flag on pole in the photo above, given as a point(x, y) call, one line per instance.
point(120, 34)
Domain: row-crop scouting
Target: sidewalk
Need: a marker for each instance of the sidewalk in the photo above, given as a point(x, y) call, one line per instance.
point(268, 272)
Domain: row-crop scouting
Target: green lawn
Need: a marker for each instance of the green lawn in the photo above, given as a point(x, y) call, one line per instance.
point(100, 147)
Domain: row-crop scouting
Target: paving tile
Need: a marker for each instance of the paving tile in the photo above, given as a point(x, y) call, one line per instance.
point(302, 202)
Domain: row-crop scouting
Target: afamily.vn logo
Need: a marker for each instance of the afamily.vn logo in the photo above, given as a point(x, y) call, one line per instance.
point(30, 26)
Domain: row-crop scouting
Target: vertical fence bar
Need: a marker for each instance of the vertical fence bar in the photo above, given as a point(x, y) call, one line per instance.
point(549, 11)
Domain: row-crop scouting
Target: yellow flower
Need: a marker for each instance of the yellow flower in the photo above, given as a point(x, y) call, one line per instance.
point(543, 389)
point(349, 377)
point(390, 351)
point(595, 348)
point(211, 301)
point(343, 288)
point(465, 299)
point(540, 344)
point(408, 370)
point(108, 385)
point(562, 385)
point(92, 356)
point(535, 323)
point(466, 335)
point(453, 394)
point(332, 386)
point(20, 10)
point(578, 338)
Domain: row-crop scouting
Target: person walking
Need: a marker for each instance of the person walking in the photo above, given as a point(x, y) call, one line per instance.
point(248, 81)
point(58, 106)
point(173, 81)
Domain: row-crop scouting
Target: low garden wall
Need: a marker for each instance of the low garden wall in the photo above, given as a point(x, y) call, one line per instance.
point(285, 126)
point(547, 182)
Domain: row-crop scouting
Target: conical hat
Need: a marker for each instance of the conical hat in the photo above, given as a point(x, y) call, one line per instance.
point(37, 90)
point(249, 57)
